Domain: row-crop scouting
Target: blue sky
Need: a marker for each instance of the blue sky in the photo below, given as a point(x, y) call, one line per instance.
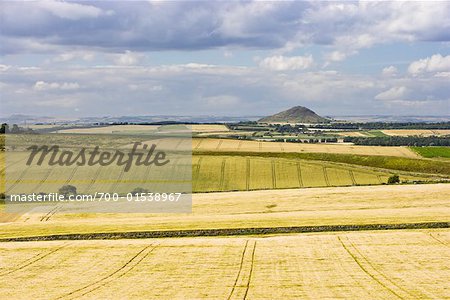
point(83, 58)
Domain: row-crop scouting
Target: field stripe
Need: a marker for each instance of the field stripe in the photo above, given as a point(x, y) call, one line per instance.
point(438, 240)
point(239, 271)
point(120, 272)
point(222, 174)
point(274, 174)
point(251, 271)
point(94, 178)
point(219, 144)
point(299, 174)
point(196, 174)
point(247, 176)
point(22, 174)
point(226, 232)
point(366, 271)
point(32, 261)
point(325, 175)
point(243, 279)
point(36, 189)
point(239, 145)
point(199, 143)
point(352, 176)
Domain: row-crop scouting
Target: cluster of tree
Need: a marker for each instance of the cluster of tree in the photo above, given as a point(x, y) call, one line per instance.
point(14, 129)
point(384, 125)
point(311, 141)
point(399, 141)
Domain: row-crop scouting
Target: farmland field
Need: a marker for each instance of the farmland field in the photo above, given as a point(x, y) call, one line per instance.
point(134, 129)
point(421, 132)
point(431, 152)
point(358, 265)
point(265, 208)
point(209, 173)
point(255, 146)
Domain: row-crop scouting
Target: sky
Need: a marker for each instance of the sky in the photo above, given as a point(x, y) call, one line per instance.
point(224, 58)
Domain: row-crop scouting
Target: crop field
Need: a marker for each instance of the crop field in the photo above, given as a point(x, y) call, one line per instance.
point(412, 132)
point(209, 173)
point(256, 146)
point(141, 129)
point(357, 265)
point(255, 209)
point(431, 152)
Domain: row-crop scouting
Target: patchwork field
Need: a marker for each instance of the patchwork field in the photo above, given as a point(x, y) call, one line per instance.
point(421, 132)
point(255, 209)
point(255, 146)
point(359, 265)
point(431, 152)
point(142, 129)
point(209, 173)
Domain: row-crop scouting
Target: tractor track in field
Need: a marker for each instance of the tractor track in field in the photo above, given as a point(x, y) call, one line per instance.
point(41, 182)
point(247, 287)
point(226, 232)
point(299, 174)
point(241, 284)
point(32, 260)
point(438, 240)
point(118, 273)
point(369, 263)
point(367, 271)
point(22, 174)
point(222, 174)
point(49, 214)
point(239, 272)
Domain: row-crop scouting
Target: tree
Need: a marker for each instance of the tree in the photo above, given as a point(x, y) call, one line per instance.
point(67, 190)
point(393, 179)
point(139, 190)
point(4, 128)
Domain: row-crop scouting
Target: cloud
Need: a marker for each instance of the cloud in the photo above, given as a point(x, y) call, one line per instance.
point(435, 63)
point(116, 26)
point(65, 86)
point(283, 63)
point(394, 93)
point(127, 59)
point(389, 71)
point(71, 11)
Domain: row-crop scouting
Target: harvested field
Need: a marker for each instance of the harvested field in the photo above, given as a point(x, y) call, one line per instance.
point(412, 132)
point(363, 265)
point(255, 146)
point(130, 129)
point(256, 209)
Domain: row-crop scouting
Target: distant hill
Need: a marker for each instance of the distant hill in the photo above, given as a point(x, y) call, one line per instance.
point(297, 114)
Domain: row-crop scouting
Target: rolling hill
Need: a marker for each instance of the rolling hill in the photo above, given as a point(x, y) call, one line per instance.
point(296, 114)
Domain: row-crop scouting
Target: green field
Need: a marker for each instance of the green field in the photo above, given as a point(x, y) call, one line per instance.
point(209, 173)
point(431, 152)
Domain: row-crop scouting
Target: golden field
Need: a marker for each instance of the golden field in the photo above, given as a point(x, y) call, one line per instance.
point(357, 265)
point(256, 146)
point(266, 208)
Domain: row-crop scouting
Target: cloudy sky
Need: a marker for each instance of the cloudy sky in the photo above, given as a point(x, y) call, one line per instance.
point(233, 58)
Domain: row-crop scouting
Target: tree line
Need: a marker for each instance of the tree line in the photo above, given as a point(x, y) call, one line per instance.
point(399, 141)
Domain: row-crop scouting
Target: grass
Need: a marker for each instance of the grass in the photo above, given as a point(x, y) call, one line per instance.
point(361, 265)
point(431, 152)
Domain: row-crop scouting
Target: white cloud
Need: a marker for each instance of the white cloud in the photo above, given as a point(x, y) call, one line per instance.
point(71, 11)
point(435, 63)
point(335, 56)
point(128, 58)
point(221, 101)
point(394, 93)
point(4, 68)
point(68, 56)
point(389, 71)
point(65, 86)
point(283, 63)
